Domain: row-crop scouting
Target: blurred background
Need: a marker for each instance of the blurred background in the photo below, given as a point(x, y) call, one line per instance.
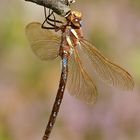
point(28, 86)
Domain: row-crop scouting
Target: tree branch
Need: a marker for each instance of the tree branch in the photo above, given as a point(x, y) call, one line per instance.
point(60, 7)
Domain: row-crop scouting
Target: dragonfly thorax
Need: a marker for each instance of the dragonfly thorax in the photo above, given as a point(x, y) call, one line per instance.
point(70, 39)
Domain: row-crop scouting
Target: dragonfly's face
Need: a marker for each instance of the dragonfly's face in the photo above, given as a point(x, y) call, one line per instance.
point(75, 18)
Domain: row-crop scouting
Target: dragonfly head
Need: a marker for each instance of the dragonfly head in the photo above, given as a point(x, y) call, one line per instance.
point(75, 18)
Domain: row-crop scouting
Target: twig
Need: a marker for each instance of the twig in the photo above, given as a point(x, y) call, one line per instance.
point(60, 7)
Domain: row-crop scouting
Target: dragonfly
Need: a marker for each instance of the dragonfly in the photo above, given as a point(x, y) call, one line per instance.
point(78, 58)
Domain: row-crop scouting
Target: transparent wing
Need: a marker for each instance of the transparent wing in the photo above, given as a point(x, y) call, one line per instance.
point(44, 43)
point(106, 70)
point(79, 83)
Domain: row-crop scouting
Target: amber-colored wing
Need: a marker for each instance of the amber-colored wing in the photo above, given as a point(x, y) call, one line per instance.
point(79, 83)
point(44, 43)
point(106, 70)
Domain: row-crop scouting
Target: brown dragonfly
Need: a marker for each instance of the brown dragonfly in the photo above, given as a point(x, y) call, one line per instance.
point(79, 58)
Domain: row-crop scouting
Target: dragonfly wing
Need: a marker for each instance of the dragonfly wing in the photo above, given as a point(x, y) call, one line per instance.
point(79, 83)
point(106, 70)
point(44, 43)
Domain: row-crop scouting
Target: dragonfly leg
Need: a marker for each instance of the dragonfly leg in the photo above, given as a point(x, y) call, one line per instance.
point(46, 20)
point(49, 20)
point(57, 21)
